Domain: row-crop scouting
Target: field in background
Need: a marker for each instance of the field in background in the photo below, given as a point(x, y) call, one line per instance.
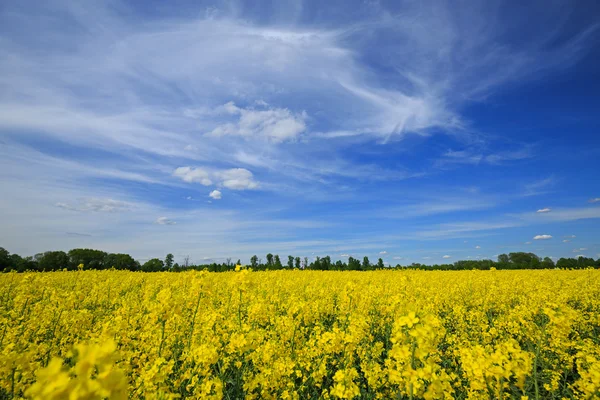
point(301, 334)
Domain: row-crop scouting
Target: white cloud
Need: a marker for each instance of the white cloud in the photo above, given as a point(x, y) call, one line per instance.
point(277, 124)
point(383, 252)
point(398, 258)
point(345, 255)
point(426, 258)
point(580, 249)
point(594, 200)
point(539, 187)
point(234, 178)
point(580, 255)
point(544, 210)
point(237, 179)
point(566, 241)
point(164, 221)
point(97, 205)
point(542, 237)
point(527, 242)
point(446, 256)
point(477, 247)
point(193, 175)
point(570, 236)
point(215, 194)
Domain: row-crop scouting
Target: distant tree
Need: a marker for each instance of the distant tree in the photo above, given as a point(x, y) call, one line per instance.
point(585, 262)
point(169, 261)
point(228, 261)
point(305, 265)
point(186, 262)
point(547, 263)
point(5, 260)
point(239, 262)
point(290, 263)
point(153, 265)
point(270, 260)
point(524, 260)
point(366, 265)
point(53, 261)
point(120, 261)
point(15, 263)
point(297, 263)
point(254, 261)
point(380, 264)
point(277, 262)
point(317, 263)
point(326, 263)
point(353, 264)
point(91, 259)
point(503, 259)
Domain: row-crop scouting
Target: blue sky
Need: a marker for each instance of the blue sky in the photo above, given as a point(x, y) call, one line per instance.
point(418, 131)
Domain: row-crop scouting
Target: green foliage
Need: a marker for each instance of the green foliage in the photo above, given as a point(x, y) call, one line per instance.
point(91, 259)
point(169, 261)
point(153, 265)
point(53, 261)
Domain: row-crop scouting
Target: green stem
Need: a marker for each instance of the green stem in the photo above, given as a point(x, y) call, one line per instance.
point(194, 320)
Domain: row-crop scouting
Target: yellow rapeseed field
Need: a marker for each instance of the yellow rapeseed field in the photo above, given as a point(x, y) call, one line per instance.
point(300, 335)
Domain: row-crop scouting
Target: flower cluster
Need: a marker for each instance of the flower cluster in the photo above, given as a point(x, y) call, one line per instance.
point(300, 334)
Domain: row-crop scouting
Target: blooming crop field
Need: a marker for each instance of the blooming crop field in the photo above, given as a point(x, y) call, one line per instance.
point(300, 334)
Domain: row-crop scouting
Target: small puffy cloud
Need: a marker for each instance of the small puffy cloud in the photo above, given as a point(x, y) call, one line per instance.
point(190, 147)
point(383, 252)
point(189, 198)
point(594, 200)
point(215, 194)
point(527, 242)
point(97, 205)
point(447, 256)
point(542, 237)
point(345, 255)
point(274, 124)
point(570, 236)
point(193, 175)
point(237, 179)
point(566, 241)
point(164, 221)
point(426, 258)
point(398, 258)
point(580, 249)
point(477, 247)
point(544, 210)
point(234, 178)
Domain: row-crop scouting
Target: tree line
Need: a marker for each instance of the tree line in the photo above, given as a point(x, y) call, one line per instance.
point(98, 260)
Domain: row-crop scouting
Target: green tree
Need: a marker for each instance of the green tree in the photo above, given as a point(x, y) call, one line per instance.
point(254, 261)
point(277, 262)
point(5, 260)
point(547, 263)
point(169, 261)
point(380, 264)
point(366, 265)
point(153, 265)
point(290, 263)
point(297, 263)
point(91, 259)
point(270, 260)
point(120, 261)
point(503, 259)
point(53, 261)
